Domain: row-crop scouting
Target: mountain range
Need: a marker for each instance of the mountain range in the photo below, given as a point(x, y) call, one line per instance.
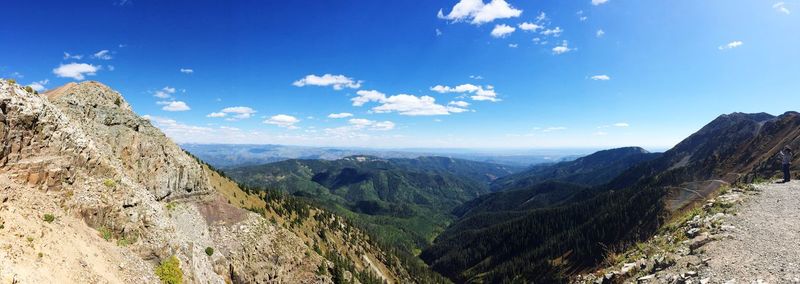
point(92, 192)
point(406, 202)
point(500, 239)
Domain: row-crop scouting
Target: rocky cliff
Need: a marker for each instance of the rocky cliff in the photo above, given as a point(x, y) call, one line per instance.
point(91, 192)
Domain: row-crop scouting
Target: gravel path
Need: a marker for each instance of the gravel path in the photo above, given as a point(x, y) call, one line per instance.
point(765, 245)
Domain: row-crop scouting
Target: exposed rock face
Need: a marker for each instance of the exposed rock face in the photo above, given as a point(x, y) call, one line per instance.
point(81, 152)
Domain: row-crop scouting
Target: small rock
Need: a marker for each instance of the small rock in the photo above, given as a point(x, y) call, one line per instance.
point(705, 280)
point(646, 279)
point(627, 268)
point(692, 232)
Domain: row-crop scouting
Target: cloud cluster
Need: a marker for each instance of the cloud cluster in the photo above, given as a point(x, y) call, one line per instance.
point(478, 93)
point(233, 113)
point(340, 115)
point(477, 13)
point(601, 77)
point(599, 2)
point(164, 93)
point(187, 70)
point(283, 120)
point(173, 105)
point(529, 27)
point(561, 49)
point(411, 105)
point(338, 82)
point(502, 30)
point(72, 56)
point(361, 123)
point(103, 55)
point(76, 71)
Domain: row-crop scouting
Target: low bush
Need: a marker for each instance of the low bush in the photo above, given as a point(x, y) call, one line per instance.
point(169, 271)
point(49, 218)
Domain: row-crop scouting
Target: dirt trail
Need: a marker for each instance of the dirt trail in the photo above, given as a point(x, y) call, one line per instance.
point(765, 244)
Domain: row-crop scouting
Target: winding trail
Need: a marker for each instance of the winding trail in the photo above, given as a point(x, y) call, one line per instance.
point(765, 244)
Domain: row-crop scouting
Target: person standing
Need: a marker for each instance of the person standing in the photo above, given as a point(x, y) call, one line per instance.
point(786, 162)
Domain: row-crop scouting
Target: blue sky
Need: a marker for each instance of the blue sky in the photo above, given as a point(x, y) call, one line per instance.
point(493, 74)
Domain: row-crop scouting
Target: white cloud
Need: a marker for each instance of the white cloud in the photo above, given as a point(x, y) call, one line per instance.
point(599, 2)
point(601, 78)
point(76, 71)
point(530, 27)
point(165, 92)
point(72, 56)
point(618, 124)
point(600, 133)
point(461, 104)
point(411, 105)
point(187, 70)
point(513, 45)
point(479, 93)
point(103, 54)
point(110, 67)
point(383, 125)
point(555, 32)
point(283, 120)
point(583, 18)
point(502, 30)
point(365, 96)
point(477, 12)
point(554, 128)
point(337, 81)
point(361, 123)
point(476, 77)
point(599, 33)
point(541, 17)
point(438, 32)
point(236, 113)
point(174, 105)
point(781, 7)
point(563, 48)
point(730, 45)
point(340, 115)
point(39, 85)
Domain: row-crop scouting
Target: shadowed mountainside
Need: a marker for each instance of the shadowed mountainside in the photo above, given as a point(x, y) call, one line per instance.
point(549, 244)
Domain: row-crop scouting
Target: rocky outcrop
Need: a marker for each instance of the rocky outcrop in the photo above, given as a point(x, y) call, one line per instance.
point(82, 153)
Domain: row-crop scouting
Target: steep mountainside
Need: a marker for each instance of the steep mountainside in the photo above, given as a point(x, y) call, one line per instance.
point(546, 245)
point(79, 169)
point(405, 202)
point(595, 169)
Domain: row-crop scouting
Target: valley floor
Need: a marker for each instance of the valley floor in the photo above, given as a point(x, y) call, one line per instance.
point(765, 244)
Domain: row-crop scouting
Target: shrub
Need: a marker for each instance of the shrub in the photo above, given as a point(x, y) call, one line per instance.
point(169, 271)
point(29, 89)
point(105, 233)
point(118, 101)
point(209, 251)
point(49, 218)
point(109, 182)
point(12, 81)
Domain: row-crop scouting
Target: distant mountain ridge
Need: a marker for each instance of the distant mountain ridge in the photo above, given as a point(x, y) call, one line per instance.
point(594, 169)
point(234, 155)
